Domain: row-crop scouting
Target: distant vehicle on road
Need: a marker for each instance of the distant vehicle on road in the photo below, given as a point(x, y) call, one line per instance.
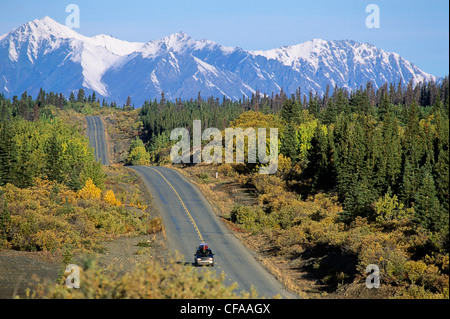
point(203, 256)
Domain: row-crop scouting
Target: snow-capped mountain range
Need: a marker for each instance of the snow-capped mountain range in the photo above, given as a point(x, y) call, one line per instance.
point(44, 53)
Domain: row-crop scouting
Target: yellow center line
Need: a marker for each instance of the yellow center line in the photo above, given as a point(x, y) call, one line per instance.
point(182, 203)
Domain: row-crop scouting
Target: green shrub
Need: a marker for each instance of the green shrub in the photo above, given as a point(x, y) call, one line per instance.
point(252, 218)
point(138, 155)
point(203, 177)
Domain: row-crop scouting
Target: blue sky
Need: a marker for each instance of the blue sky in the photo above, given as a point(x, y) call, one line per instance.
point(418, 30)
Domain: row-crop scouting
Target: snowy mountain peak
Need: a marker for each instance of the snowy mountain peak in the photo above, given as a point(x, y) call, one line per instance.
point(178, 42)
point(292, 55)
point(63, 49)
point(342, 61)
point(35, 37)
point(49, 23)
point(45, 27)
point(178, 37)
point(44, 53)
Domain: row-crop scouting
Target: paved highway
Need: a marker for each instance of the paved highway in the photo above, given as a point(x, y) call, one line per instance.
point(96, 133)
point(189, 220)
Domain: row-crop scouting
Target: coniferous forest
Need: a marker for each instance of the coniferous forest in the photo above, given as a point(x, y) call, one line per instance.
point(363, 176)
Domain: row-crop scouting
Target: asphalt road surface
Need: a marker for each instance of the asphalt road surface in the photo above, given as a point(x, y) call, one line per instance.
point(190, 220)
point(96, 133)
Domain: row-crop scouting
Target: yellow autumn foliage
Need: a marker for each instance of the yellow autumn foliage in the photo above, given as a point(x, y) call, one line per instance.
point(110, 198)
point(90, 191)
point(47, 217)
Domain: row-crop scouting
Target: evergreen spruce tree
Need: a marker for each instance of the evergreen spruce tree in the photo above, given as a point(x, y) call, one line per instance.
point(414, 146)
point(442, 178)
point(359, 198)
point(81, 97)
point(313, 105)
point(329, 114)
point(428, 211)
point(441, 155)
point(319, 168)
point(291, 111)
point(72, 98)
point(341, 154)
point(23, 106)
point(289, 142)
point(341, 102)
point(54, 159)
point(41, 97)
point(5, 110)
point(8, 153)
point(354, 164)
point(389, 160)
point(410, 182)
point(392, 93)
point(25, 173)
point(409, 95)
point(384, 107)
point(74, 182)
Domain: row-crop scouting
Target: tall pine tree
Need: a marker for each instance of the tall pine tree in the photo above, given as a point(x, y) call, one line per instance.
point(289, 142)
point(54, 159)
point(8, 153)
point(428, 211)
